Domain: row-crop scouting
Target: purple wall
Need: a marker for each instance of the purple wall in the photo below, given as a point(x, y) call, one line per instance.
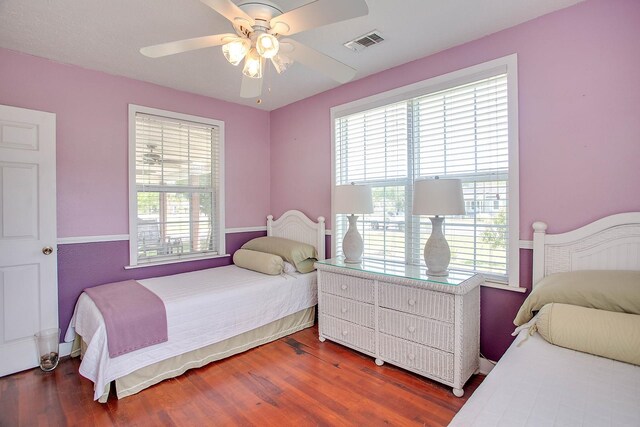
point(579, 103)
point(92, 141)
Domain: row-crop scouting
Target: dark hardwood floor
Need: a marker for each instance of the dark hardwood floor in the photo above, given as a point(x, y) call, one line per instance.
point(295, 380)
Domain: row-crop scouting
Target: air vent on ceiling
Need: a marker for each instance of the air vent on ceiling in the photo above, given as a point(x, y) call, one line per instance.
point(369, 39)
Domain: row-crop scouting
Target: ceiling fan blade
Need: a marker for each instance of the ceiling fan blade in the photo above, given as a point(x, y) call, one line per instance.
point(180, 46)
point(319, 61)
point(317, 14)
point(229, 10)
point(250, 88)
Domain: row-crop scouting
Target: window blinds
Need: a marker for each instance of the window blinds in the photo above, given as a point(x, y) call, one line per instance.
point(371, 148)
point(461, 132)
point(177, 187)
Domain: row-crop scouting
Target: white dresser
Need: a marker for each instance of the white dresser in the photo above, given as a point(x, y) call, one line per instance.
point(399, 315)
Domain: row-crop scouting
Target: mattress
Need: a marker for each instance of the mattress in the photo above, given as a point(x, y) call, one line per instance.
point(203, 307)
point(539, 384)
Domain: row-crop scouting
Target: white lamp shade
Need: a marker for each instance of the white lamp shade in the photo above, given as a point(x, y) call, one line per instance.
point(438, 197)
point(281, 62)
point(353, 199)
point(267, 45)
point(236, 50)
point(253, 65)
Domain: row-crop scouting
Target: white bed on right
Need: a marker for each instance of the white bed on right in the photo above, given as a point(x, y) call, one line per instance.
point(536, 383)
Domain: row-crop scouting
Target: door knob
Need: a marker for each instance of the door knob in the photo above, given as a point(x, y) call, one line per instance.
point(47, 250)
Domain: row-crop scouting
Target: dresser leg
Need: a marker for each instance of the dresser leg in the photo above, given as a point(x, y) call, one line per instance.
point(379, 362)
point(322, 339)
point(458, 392)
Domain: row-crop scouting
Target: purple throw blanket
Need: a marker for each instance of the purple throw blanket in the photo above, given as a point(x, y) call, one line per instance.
point(134, 316)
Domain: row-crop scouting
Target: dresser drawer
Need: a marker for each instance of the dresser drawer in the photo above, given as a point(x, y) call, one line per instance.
point(348, 333)
point(421, 330)
point(422, 359)
point(347, 286)
point(348, 309)
point(421, 302)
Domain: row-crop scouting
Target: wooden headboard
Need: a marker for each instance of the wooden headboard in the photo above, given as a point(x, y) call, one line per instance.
point(295, 225)
point(610, 243)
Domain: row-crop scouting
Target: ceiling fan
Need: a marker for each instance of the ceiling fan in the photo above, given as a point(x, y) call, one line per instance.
point(260, 26)
point(151, 157)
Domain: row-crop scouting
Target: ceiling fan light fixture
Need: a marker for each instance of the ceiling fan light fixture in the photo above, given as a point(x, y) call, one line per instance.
point(259, 27)
point(281, 63)
point(253, 65)
point(236, 50)
point(267, 45)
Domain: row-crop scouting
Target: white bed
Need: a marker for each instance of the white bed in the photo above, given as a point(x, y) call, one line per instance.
point(211, 314)
point(540, 384)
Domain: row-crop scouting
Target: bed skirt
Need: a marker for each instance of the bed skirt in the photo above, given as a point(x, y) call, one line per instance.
point(175, 366)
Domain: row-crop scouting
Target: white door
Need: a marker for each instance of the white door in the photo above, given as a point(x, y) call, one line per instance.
point(28, 269)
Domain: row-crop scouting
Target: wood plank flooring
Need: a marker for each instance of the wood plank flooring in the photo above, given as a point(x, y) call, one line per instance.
point(295, 381)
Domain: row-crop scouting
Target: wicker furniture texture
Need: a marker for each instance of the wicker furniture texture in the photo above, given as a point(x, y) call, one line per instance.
point(430, 327)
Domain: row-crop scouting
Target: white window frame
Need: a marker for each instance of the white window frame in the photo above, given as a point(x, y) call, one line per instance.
point(508, 65)
point(133, 195)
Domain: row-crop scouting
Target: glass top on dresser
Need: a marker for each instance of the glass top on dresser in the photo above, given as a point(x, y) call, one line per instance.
point(394, 269)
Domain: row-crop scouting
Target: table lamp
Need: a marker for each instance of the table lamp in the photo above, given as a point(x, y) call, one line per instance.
point(352, 199)
point(437, 197)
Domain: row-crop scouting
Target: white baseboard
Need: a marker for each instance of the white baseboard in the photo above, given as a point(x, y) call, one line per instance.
point(65, 348)
point(486, 365)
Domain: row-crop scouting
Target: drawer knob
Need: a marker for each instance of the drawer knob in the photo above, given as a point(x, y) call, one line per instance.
point(344, 309)
point(343, 287)
point(344, 333)
point(412, 356)
point(412, 302)
point(411, 328)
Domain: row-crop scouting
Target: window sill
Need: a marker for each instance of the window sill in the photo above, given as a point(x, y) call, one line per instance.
point(504, 286)
point(176, 261)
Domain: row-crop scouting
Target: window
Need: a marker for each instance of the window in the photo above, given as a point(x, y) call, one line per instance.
point(176, 186)
point(461, 125)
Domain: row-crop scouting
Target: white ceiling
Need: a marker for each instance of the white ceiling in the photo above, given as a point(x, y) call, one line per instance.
point(106, 35)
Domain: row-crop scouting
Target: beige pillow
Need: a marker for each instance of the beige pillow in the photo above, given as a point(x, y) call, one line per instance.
point(610, 290)
point(259, 261)
point(600, 332)
point(301, 255)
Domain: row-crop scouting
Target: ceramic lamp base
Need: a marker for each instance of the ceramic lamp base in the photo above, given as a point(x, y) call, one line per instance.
point(352, 244)
point(436, 251)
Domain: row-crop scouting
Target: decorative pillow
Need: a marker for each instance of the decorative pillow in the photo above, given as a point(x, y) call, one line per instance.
point(301, 255)
point(289, 268)
point(600, 332)
point(259, 261)
point(610, 290)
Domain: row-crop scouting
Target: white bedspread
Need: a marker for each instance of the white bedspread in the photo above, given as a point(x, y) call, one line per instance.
point(540, 384)
point(203, 307)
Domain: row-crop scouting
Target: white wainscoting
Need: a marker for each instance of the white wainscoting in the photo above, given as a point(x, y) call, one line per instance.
point(119, 237)
point(92, 239)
